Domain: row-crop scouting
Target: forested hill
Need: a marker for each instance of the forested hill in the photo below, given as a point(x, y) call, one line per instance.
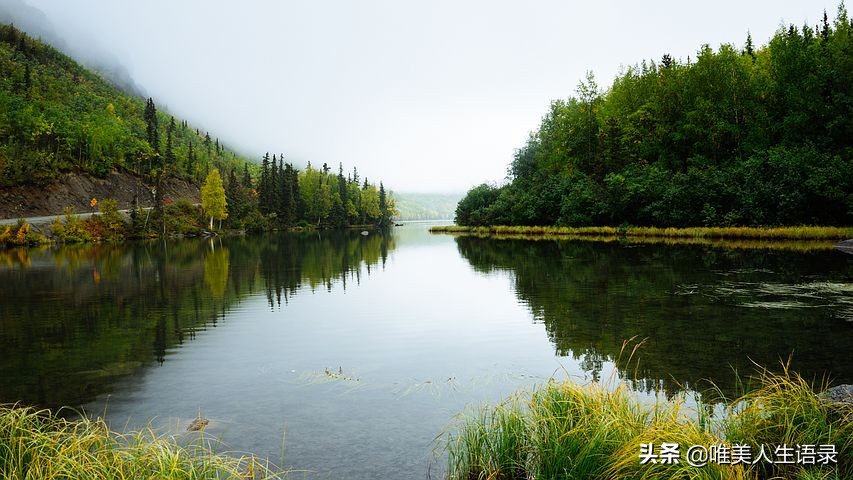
point(743, 135)
point(426, 206)
point(57, 116)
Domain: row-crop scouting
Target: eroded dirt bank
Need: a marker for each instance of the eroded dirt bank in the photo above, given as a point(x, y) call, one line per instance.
point(75, 190)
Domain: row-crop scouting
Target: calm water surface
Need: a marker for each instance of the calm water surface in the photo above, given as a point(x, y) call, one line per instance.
point(345, 356)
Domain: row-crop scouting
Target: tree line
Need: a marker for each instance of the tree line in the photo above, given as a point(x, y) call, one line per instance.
point(284, 197)
point(57, 116)
point(737, 136)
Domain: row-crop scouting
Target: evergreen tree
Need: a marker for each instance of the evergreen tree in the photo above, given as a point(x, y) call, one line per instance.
point(383, 207)
point(749, 49)
point(274, 193)
point(207, 146)
point(152, 129)
point(280, 188)
point(169, 154)
point(264, 185)
point(247, 179)
point(342, 184)
point(290, 195)
point(191, 166)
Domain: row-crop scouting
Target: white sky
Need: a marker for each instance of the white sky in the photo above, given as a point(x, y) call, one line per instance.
point(427, 95)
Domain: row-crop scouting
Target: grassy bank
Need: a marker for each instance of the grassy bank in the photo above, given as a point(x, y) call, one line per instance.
point(38, 445)
point(752, 233)
point(564, 430)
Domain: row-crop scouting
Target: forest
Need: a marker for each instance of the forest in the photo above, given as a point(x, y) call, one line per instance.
point(750, 136)
point(57, 116)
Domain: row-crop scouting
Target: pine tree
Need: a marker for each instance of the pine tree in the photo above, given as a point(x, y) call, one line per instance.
point(152, 129)
point(190, 159)
point(383, 207)
point(235, 195)
point(170, 154)
point(273, 198)
point(263, 185)
point(288, 199)
point(342, 192)
point(207, 144)
point(247, 179)
point(280, 188)
point(749, 49)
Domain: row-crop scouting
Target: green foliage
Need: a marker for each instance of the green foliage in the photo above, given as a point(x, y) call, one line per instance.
point(110, 225)
point(20, 235)
point(40, 444)
point(755, 137)
point(57, 116)
point(564, 430)
point(213, 197)
point(288, 197)
point(72, 229)
point(183, 218)
point(474, 209)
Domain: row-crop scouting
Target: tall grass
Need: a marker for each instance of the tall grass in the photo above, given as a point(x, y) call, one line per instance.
point(564, 430)
point(759, 233)
point(39, 445)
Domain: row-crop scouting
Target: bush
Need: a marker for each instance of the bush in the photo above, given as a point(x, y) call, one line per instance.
point(20, 235)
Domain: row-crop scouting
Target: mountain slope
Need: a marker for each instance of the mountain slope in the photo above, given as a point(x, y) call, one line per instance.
point(426, 206)
point(56, 116)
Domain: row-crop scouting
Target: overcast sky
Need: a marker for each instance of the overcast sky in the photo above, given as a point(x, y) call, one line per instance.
point(423, 95)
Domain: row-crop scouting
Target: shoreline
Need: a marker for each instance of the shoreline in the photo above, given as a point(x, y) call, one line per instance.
point(804, 232)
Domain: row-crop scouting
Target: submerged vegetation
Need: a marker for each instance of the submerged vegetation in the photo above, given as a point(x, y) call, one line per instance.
point(36, 444)
point(738, 136)
point(564, 430)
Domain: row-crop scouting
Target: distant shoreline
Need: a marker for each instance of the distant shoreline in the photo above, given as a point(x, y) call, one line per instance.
point(800, 238)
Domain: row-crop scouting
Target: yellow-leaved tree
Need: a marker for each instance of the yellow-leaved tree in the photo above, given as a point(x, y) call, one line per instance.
point(213, 198)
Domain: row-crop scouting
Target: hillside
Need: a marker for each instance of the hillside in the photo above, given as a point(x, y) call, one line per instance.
point(426, 206)
point(56, 116)
point(745, 135)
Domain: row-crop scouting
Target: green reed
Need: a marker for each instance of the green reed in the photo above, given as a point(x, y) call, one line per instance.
point(565, 430)
point(37, 444)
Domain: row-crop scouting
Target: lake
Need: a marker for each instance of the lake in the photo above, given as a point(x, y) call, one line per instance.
point(341, 355)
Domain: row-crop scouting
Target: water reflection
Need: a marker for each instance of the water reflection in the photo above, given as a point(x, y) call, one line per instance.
point(75, 319)
point(703, 312)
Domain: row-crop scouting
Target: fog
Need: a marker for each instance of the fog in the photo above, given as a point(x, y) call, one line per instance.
point(425, 96)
